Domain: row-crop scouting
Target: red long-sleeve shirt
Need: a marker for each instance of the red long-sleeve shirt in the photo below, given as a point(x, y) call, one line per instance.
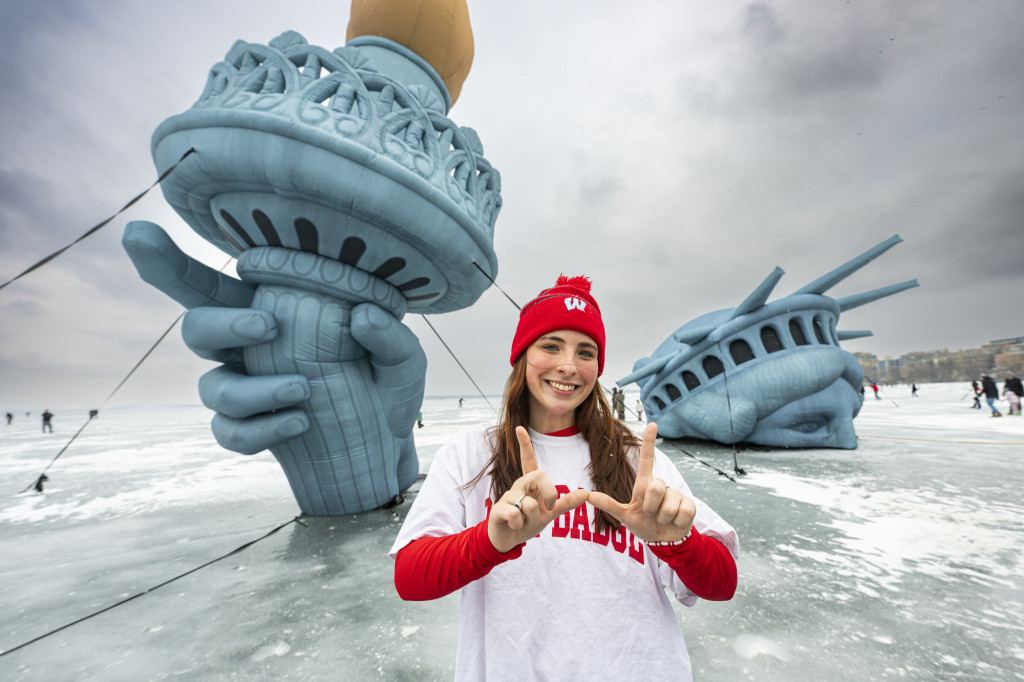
point(432, 567)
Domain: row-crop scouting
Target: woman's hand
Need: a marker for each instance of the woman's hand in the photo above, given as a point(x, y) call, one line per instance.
point(656, 512)
point(530, 504)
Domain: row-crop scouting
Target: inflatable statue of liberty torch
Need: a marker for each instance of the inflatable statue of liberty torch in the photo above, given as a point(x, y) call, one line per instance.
point(349, 199)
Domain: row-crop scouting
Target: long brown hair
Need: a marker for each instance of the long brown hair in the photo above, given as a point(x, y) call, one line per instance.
point(609, 441)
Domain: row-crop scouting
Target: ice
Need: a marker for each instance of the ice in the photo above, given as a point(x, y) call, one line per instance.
point(749, 646)
point(902, 559)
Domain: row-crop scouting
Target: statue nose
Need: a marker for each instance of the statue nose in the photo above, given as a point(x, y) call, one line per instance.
point(841, 433)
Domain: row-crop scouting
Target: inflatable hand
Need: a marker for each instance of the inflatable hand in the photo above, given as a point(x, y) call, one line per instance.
point(317, 366)
point(348, 197)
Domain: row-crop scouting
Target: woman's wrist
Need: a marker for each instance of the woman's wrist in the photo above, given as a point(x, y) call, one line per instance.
point(487, 543)
point(670, 543)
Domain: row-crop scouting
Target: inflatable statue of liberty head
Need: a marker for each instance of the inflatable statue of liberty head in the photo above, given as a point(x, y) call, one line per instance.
point(349, 198)
point(770, 373)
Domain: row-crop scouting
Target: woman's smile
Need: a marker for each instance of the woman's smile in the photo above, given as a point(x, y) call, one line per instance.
point(568, 388)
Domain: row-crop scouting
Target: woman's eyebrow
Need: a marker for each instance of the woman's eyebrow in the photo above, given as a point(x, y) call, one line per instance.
point(581, 344)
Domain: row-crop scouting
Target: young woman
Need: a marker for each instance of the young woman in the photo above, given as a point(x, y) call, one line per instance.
point(562, 530)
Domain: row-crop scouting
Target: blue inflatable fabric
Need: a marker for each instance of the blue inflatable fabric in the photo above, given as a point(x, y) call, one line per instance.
point(764, 373)
point(349, 199)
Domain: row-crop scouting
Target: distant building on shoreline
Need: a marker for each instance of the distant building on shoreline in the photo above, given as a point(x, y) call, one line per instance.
point(998, 358)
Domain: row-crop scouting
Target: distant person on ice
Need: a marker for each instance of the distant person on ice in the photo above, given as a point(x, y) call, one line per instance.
point(639, 411)
point(913, 390)
point(10, 417)
point(988, 387)
point(619, 403)
point(560, 579)
point(1012, 391)
point(874, 387)
point(47, 416)
point(977, 394)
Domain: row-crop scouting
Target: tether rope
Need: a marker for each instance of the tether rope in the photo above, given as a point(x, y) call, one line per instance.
point(38, 484)
point(710, 466)
point(42, 478)
point(728, 403)
point(675, 447)
point(457, 361)
point(518, 307)
point(297, 519)
point(91, 231)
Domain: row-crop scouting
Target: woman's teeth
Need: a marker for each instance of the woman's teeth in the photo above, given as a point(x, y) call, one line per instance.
point(562, 387)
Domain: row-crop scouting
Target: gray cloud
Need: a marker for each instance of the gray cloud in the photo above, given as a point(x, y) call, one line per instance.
point(761, 26)
point(674, 153)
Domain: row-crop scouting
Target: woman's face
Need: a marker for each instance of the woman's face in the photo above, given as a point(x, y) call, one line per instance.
point(561, 371)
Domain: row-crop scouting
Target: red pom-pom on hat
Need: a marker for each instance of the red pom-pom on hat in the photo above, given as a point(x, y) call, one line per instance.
point(567, 305)
point(582, 283)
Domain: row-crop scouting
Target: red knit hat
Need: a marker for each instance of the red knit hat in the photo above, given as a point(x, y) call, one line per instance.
point(567, 305)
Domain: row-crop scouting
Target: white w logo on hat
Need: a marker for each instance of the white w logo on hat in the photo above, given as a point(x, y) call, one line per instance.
point(572, 302)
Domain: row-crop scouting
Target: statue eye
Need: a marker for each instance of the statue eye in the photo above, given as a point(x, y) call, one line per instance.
point(808, 427)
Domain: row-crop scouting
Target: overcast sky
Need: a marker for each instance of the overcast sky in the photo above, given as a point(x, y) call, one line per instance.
point(674, 151)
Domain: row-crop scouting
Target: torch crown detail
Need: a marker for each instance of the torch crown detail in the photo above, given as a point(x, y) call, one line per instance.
point(320, 151)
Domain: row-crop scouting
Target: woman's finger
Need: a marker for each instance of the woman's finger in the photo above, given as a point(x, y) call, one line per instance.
point(669, 509)
point(537, 485)
point(569, 501)
point(526, 455)
point(654, 496)
point(645, 465)
point(608, 504)
point(529, 507)
point(513, 517)
point(687, 513)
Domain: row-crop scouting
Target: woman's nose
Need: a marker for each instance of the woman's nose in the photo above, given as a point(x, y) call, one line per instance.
point(566, 364)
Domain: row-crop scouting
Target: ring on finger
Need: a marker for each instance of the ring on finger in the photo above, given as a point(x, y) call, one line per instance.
point(517, 504)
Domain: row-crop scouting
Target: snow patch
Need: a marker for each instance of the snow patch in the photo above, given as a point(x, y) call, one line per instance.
point(276, 649)
point(748, 645)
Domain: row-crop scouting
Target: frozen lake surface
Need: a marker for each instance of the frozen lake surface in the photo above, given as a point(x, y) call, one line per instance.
point(901, 560)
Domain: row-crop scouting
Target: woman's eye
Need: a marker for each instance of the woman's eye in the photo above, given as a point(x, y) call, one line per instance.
point(587, 354)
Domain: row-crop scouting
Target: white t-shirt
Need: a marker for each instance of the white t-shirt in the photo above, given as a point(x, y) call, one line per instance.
point(576, 605)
